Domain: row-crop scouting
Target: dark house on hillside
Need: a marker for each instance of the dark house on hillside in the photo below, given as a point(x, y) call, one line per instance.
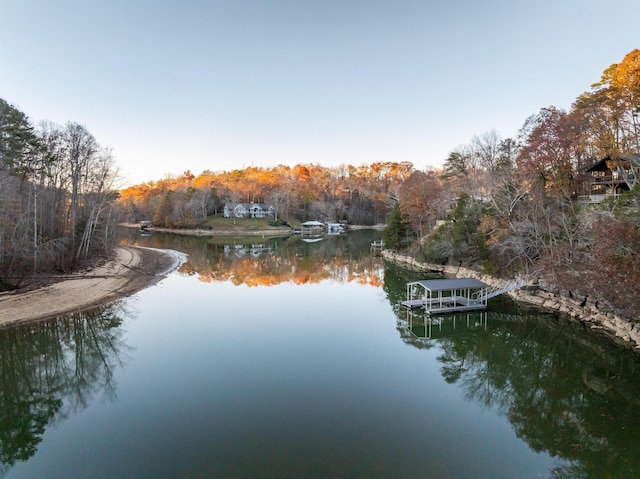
point(611, 176)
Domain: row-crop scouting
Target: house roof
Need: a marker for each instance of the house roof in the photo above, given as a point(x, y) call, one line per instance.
point(449, 284)
point(601, 165)
point(264, 206)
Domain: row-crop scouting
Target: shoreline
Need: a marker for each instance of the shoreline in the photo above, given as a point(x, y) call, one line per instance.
point(129, 271)
point(238, 232)
point(619, 330)
point(132, 269)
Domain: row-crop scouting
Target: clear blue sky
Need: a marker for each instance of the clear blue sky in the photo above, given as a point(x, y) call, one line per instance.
point(219, 85)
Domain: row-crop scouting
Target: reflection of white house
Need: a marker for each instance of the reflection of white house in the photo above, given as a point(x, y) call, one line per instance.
point(248, 210)
point(241, 250)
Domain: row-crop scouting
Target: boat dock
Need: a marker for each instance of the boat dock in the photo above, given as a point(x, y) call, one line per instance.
point(452, 295)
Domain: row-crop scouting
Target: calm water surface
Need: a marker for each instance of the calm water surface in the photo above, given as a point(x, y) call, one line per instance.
point(291, 359)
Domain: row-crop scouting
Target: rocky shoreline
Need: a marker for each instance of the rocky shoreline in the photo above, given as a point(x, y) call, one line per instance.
point(582, 309)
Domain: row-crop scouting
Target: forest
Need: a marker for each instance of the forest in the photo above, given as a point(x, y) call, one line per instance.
point(57, 198)
point(505, 206)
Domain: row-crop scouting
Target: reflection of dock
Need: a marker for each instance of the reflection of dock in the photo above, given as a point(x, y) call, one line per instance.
point(377, 247)
point(423, 326)
point(435, 327)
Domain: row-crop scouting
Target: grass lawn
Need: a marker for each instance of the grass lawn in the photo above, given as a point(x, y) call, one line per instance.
point(220, 222)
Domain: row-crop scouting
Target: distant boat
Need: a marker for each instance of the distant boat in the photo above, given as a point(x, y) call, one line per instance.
point(335, 228)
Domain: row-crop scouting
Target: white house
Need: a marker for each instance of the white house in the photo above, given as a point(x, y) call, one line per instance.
point(248, 210)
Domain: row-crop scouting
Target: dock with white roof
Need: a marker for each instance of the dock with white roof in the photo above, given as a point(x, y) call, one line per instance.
point(452, 295)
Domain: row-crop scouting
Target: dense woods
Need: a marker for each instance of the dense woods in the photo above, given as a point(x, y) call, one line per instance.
point(57, 196)
point(505, 205)
point(361, 195)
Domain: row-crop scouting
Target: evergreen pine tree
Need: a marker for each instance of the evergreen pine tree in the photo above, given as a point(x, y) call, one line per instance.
point(395, 231)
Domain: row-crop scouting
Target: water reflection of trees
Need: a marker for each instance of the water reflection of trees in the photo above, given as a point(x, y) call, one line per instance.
point(269, 261)
point(564, 391)
point(52, 368)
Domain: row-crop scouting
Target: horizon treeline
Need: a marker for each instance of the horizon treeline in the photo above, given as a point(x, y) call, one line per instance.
point(360, 194)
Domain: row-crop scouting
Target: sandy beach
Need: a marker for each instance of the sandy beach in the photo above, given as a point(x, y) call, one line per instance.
point(131, 270)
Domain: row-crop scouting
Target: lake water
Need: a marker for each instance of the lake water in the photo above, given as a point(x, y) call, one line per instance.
point(279, 358)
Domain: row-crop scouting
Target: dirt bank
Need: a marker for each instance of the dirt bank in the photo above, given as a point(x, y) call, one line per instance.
point(131, 270)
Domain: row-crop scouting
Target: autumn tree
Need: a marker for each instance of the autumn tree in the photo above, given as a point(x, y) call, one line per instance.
point(424, 199)
point(612, 108)
point(552, 151)
point(163, 215)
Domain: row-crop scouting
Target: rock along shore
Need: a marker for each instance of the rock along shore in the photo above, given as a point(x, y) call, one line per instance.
point(581, 309)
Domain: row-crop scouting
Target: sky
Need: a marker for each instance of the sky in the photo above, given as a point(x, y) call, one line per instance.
point(219, 85)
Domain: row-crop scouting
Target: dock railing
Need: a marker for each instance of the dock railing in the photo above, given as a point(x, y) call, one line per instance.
point(494, 291)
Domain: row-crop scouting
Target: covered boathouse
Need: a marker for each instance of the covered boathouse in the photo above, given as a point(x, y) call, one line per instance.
point(447, 295)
